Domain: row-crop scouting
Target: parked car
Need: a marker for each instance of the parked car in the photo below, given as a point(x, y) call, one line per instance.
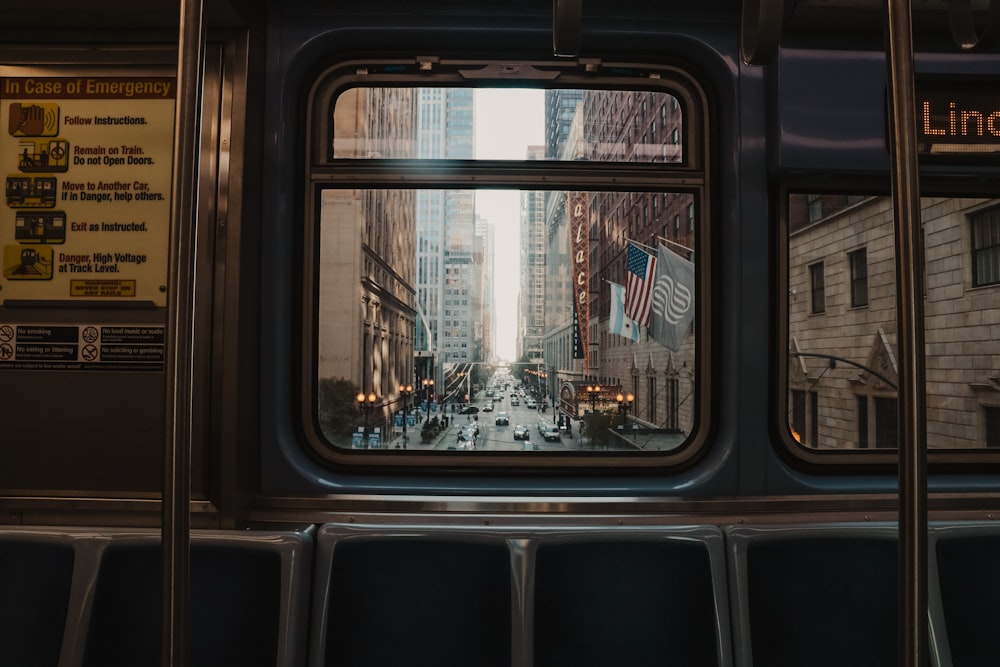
point(548, 430)
point(520, 432)
point(502, 419)
point(530, 403)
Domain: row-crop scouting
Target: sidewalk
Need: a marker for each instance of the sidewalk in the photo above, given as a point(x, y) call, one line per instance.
point(444, 439)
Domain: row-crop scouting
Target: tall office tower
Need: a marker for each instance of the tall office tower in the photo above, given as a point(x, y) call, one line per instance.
point(531, 303)
point(485, 231)
point(445, 228)
point(560, 110)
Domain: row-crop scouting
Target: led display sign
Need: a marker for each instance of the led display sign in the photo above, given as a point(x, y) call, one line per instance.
point(958, 118)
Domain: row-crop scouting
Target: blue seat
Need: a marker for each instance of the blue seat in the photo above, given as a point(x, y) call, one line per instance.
point(822, 596)
point(36, 576)
point(965, 585)
point(444, 595)
point(648, 599)
point(246, 603)
point(416, 600)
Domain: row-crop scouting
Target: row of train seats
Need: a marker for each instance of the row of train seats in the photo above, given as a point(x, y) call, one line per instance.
point(418, 593)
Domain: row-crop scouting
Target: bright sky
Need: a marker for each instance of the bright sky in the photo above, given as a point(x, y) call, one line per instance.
point(507, 121)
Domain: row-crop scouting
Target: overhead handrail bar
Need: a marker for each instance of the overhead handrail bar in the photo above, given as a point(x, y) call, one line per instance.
point(913, 632)
point(176, 519)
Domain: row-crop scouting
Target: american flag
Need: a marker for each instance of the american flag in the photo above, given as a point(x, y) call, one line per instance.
point(639, 284)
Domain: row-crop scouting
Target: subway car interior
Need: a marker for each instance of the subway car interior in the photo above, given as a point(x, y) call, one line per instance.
point(525, 333)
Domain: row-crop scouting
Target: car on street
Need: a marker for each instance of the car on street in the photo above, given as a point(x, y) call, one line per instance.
point(488, 407)
point(502, 419)
point(548, 430)
point(520, 432)
point(466, 439)
point(530, 403)
point(514, 400)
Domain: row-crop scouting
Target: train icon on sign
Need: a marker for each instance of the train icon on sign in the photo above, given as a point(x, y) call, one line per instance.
point(31, 191)
point(43, 155)
point(40, 227)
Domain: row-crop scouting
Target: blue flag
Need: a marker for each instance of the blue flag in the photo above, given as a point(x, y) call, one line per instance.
point(619, 323)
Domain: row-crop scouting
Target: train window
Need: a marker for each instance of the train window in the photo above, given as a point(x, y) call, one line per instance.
point(842, 366)
point(440, 124)
point(484, 290)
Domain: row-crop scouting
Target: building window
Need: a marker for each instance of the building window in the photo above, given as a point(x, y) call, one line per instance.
point(858, 261)
point(986, 248)
point(673, 403)
point(805, 417)
point(862, 405)
point(651, 398)
point(815, 204)
point(885, 423)
point(817, 288)
point(991, 415)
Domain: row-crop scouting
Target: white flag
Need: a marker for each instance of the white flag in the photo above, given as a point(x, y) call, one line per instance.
point(673, 299)
point(619, 323)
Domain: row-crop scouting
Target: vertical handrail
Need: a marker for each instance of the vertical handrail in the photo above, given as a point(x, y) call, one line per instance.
point(913, 632)
point(176, 520)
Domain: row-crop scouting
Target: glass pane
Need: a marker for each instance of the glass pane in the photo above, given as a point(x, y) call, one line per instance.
point(493, 310)
point(439, 124)
point(843, 361)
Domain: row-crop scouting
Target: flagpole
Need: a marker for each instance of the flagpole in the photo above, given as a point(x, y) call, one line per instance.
point(679, 245)
point(641, 245)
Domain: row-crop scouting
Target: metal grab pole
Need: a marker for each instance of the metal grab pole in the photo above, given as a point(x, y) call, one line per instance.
point(913, 633)
point(176, 520)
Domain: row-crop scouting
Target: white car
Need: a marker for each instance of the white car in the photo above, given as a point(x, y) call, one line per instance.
point(548, 430)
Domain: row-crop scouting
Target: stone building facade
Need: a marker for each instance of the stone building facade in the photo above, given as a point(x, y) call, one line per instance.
point(842, 322)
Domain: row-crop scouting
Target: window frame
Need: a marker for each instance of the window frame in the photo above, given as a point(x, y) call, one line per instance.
point(817, 287)
point(321, 171)
point(868, 456)
point(990, 216)
point(859, 296)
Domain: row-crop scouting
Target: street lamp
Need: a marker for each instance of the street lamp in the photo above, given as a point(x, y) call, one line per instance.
point(405, 391)
point(429, 388)
point(367, 405)
point(624, 403)
point(593, 391)
point(465, 375)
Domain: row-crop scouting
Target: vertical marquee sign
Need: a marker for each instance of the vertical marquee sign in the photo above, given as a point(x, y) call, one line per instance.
point(87, 168)
point(578, 206)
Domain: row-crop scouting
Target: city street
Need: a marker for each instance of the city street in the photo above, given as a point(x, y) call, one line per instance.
point(494, 437)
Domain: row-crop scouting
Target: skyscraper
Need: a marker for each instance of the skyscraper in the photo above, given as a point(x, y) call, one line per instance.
point(445, 229)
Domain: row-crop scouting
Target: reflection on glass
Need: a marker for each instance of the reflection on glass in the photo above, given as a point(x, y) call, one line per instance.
point(843, 368)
